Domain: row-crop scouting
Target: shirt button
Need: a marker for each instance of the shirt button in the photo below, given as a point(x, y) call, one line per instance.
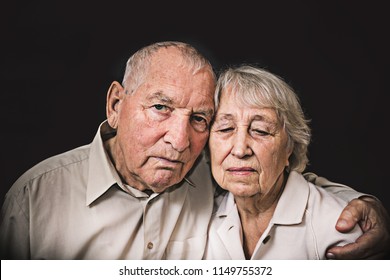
point(266, 239)
point(150, 245)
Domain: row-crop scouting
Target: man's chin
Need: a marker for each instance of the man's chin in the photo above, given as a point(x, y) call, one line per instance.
point(160, 187)
point(163, 181)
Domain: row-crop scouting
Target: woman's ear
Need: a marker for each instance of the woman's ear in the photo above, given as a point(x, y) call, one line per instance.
point(115, 96)
point(290, 149)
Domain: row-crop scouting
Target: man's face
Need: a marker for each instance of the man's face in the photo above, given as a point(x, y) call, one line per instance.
point(164, 125)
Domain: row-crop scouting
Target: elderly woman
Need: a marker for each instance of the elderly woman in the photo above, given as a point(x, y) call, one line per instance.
point(258, 149)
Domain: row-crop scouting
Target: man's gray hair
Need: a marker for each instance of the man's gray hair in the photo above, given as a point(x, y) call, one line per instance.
point(138, 64)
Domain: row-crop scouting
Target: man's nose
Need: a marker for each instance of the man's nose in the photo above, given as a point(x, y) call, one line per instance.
point(178, 134)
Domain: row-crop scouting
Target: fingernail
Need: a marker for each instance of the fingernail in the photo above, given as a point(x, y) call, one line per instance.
point(330, 256)
point(342, 223)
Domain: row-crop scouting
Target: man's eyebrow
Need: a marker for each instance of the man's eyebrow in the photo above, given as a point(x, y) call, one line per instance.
point(205, 112)
point(161, 97)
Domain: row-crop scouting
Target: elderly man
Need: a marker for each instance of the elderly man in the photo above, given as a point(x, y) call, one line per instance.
point(141, 189)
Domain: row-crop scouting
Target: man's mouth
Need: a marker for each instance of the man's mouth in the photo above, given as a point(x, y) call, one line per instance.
point(168, 162)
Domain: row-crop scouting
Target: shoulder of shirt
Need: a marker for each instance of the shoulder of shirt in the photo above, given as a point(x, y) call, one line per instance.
point(319, 193)
point(51, 164)
point(323, 211)
point(325, 204)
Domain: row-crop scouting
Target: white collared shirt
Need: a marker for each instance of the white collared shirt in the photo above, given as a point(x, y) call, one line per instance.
point(74, 206)
point(302, 227)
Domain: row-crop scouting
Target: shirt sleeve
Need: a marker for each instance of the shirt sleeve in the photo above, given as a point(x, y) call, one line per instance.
point(14, 226)
point(344, 192)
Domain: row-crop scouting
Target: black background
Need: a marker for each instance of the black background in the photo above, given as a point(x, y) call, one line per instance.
point(58, 59)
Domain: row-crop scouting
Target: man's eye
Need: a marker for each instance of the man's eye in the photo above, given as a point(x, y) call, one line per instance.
point(199, 123)
point(198, 119)
point(160, 107)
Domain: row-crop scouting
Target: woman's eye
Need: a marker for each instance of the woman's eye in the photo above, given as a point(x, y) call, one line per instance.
point(228, 129)
point(261, 132)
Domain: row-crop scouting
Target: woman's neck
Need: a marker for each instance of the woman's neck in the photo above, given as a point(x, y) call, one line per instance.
point(254, 223)
point(256, 213)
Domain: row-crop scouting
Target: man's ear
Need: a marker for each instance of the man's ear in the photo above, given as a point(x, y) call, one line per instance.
point(115, 96)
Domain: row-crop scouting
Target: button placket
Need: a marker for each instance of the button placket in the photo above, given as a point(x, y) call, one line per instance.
point(152, 213)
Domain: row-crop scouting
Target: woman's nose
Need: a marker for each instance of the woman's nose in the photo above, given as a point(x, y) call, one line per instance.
point(241, 145)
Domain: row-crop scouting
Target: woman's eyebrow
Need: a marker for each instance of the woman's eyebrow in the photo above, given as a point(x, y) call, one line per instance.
point(224, 117)
point(264, 118)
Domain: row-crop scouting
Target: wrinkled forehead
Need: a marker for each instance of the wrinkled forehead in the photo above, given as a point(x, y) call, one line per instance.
point(248, 96)
point(249, 101)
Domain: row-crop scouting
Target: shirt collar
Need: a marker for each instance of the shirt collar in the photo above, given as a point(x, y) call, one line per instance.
point(102, 174)
point(226, 204)
point(292, 203)
point(291, 206)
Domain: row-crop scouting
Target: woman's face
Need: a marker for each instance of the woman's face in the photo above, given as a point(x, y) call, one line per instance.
point(248, 148)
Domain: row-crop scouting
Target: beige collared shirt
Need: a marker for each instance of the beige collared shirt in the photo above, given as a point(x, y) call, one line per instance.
point(74, 206)
point(302, 227)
